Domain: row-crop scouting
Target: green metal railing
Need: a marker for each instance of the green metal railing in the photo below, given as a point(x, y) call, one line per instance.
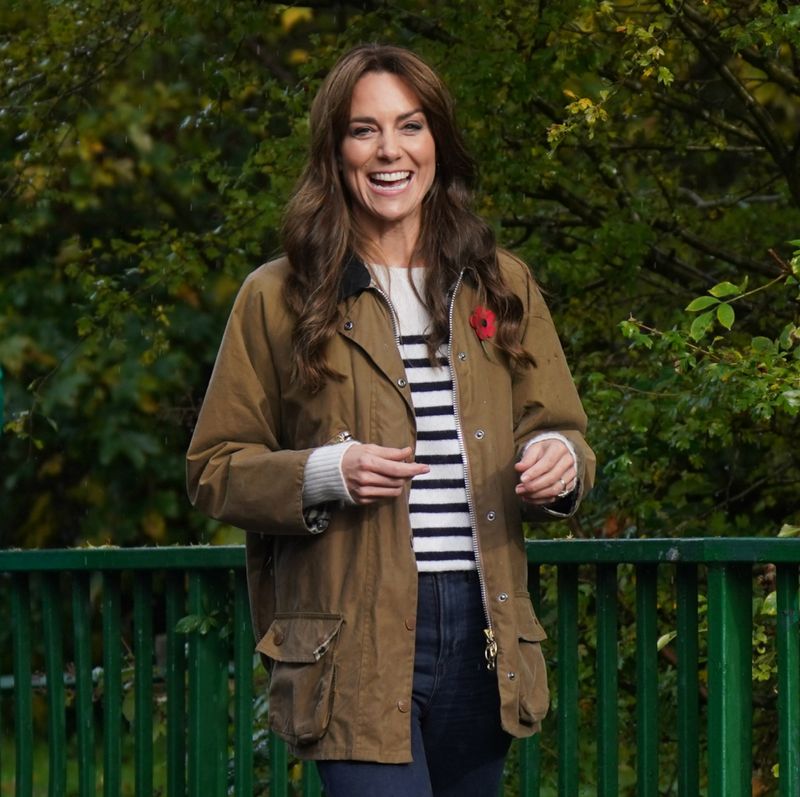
point(99, 662)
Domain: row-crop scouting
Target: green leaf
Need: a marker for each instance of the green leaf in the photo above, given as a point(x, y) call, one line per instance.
point(789, 531)
point(726, 315)
point(791, 398)
point(762, 344)
point(701, 303)
point(770, 605)
point(665, 639)
point(701, 325)
point(189, 624)
point(724, 289)
point(787, 336)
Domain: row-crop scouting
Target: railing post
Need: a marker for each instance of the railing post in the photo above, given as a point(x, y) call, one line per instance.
point(568, 680)
point(278, 766)
point(646, 681)
point(84, 714)
point(23, 707)
point(788, 680)
point(607, 708)
point(243, 697)
point(208, 687)
point(52, 620)
point(143, 683)
point(729, 680)
point(112, 685)
point(688, 682)
point(175, 675)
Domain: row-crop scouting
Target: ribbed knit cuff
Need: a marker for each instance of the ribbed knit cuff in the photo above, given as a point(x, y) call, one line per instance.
point(323, 480)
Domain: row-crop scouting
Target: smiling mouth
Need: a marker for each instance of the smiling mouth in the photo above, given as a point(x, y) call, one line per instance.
point(391, 181)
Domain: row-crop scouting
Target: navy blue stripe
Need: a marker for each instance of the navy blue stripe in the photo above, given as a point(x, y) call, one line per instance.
point(436, 484)
point(430, 387)
point(427, 412)
point(444, 531)
point(443, 556)
point(407, 339)
point(447, 434)
point(438, 508)
point(438, 459)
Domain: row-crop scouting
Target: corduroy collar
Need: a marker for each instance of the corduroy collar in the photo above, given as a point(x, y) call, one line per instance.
point(355, 278)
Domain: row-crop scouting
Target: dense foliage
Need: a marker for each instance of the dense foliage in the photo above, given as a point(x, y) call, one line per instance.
point(642, 157)
point(639, 155)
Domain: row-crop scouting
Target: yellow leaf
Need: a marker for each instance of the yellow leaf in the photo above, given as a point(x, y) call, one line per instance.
point(292, 16)
point(154, 526)
point(298, 56)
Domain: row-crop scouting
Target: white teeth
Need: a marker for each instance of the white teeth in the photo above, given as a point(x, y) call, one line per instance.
point(388, 177)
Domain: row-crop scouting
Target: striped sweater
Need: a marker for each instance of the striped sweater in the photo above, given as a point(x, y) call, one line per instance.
point(438, 509)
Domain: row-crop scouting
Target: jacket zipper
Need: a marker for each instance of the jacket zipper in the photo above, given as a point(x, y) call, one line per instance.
point(490, 651)
point(392, 313)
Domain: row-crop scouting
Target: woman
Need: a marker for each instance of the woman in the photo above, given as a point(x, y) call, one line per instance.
point(386, 400)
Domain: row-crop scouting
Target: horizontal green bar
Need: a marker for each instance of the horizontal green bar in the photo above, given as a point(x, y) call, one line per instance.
point(696, 550)
point(691, 550)
point(176, 558)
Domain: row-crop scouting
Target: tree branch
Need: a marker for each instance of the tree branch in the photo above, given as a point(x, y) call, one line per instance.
point(760, 121)
point(696, 111)
point(769, 66)
point(698, 243)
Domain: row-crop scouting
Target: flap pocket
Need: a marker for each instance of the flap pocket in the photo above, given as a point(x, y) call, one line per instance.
point(534, 696)
point(300, 638)
point(302, 684)
point(528, 626)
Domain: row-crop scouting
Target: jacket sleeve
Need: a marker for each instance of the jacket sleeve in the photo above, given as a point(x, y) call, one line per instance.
point(237, 470)
point(545, 398)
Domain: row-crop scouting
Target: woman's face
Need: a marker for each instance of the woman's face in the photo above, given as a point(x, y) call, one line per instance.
point(388, 156)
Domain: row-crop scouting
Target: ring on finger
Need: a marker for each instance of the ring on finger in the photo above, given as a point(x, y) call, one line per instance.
point(566, 491)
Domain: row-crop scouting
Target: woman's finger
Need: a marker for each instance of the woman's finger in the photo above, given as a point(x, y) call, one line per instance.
point(373, 472)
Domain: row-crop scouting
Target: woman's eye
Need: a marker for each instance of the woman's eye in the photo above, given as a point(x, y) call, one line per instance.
point(359, 132)
point(414, 126)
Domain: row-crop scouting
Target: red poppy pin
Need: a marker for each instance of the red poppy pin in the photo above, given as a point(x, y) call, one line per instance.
point(484, 323)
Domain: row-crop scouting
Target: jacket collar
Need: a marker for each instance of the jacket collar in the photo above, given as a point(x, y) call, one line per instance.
point(355, 278)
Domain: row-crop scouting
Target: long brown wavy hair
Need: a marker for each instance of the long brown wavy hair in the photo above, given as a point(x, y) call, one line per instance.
point(320, 233)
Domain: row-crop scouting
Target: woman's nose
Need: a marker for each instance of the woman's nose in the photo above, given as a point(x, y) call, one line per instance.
point(388, 147)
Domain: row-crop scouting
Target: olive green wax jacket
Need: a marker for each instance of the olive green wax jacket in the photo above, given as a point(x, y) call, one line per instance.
point(334, 612)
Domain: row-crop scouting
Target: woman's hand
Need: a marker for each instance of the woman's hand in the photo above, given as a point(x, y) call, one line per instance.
point(373, 473)
point(547, 472)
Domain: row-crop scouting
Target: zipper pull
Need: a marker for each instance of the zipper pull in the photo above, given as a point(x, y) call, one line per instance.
point(491, 649)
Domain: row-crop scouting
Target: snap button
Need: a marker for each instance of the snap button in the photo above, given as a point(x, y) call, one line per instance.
point(348, 325)
point(502, 597)
point(462, 355)
point(402, 706)
point(411, 623)
point(511, 676)
point(479, 434)
point(401, 382)
point(491, 515)
point(278, 637)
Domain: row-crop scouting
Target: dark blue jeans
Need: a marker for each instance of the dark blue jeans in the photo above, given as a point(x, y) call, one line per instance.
point(457, 743)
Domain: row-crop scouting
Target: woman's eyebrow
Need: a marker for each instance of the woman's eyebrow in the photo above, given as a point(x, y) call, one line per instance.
point(371, 120)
